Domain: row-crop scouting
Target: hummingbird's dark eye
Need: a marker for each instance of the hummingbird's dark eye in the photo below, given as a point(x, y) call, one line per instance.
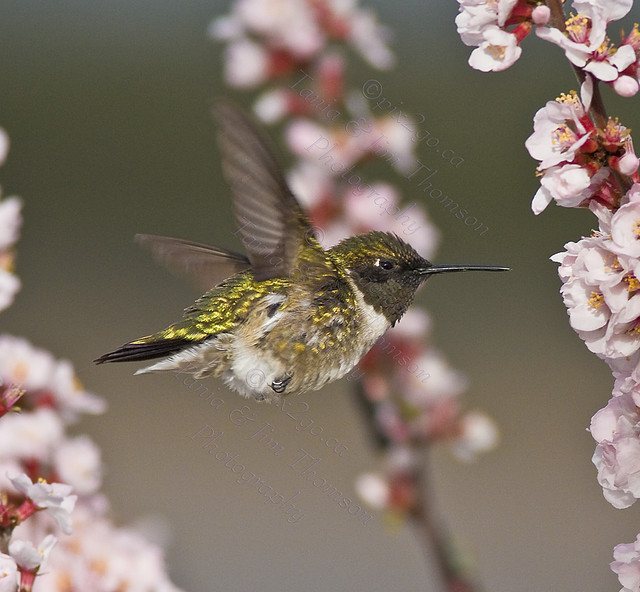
point(385, 264)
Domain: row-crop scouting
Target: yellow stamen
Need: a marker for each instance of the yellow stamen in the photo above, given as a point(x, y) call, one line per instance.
point(633, 282)
point(497, 51)
point(577, 27)
point(596, 300)
point(563, 135)
point(572, 97)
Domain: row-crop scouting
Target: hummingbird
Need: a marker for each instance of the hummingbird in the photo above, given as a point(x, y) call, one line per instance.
point(289, 316)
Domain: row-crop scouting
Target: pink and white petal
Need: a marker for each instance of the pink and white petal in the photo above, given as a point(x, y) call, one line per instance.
point(586, 92)
point(602, 70)
point(606, 10)
point(586, 318)
point(623, 57)
point(472, 22)
point(628, 164)
point(596, 341)
point(9, 577)
point(577, 53)
point(541, 15)
point(498, 51)
point(625, 229)
point(541, 200)
point(4, 145)
point(505, 8)
point(604, 423)
point(626, 86)
point(246, 63)
point(568, 185)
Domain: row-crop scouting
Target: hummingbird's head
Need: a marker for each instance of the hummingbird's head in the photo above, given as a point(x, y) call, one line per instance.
point(388, 271)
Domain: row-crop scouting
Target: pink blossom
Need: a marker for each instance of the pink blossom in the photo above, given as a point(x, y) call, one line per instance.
point(541, 15)
point(69, 397)
point(477, 16)
point(8, 574)
point(47, 382)
point(77, 462)
point(56, 498)
point(585, 43)
point(612, 10)
point(478, 434)
point(569, 184)
point(30, 435)
point(496, 28)
point(393, 142)
point(4, 145)
point(560, 129)
point(246, 63)
point(373, 489)
point(616, 429)
point(601, 294)
point(497, 51)
point(333, 150)
point(23, 365)
point(444, 382)
point(627, 565)
point(626, 86)
point(370, 39)
point(272, 105)
point(288, 24)
point(576, 158)
point(626, 164)
point(28, 557)
point(10, 221)
point(625, 228)
point(293, 31)
point(9, 287)
point(9, 396)
point(97, 556)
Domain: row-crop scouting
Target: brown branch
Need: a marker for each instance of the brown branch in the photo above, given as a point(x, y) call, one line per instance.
point(434, 540)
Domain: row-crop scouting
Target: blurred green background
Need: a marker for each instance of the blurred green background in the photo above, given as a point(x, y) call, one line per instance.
point(107, 105)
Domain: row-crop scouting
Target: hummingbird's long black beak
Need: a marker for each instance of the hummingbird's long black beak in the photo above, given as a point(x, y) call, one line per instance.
point(447, 268)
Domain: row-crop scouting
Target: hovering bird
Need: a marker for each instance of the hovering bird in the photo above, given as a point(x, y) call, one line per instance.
point(290, 316)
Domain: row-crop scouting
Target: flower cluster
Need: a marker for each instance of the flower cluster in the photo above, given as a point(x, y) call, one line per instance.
point(497, 27)
point(600, 289)
point(409, 389)
point(269, 39)
point(10, 222)
point(49, 481)
point(578, 160)
point(627, 565)
point(586, 45)
point(587, 160)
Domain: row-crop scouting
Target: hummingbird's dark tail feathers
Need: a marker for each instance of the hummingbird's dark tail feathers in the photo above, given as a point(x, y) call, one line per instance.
point(140, 350)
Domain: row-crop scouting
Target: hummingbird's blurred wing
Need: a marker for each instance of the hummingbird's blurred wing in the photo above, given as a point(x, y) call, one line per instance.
point(205, 266)
point(273, 226)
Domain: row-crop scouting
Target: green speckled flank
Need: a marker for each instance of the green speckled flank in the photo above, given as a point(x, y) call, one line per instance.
point(221, 309)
